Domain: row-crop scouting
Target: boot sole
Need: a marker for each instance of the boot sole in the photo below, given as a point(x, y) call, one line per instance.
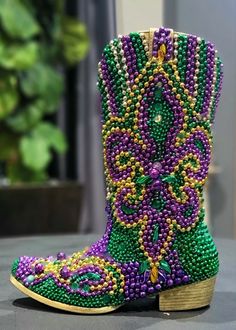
point(59, 305)
point(187, 297)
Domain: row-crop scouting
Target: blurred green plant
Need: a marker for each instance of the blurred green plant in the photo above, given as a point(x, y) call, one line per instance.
point(37, 39)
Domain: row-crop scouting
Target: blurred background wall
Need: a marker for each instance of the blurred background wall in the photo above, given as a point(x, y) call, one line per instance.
point(136, 15)
point(99, 17)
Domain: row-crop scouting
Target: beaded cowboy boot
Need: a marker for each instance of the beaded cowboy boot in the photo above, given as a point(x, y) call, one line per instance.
point(159, 93)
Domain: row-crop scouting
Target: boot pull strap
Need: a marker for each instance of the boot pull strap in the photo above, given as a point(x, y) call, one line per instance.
point(161, 53)
point(149, 34)
point(150, 41)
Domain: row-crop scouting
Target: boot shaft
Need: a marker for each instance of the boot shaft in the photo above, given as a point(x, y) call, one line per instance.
point(159, 92)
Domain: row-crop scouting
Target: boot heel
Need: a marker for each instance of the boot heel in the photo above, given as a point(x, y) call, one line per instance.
point(187, 297)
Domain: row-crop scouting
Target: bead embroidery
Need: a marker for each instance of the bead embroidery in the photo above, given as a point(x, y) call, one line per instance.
point(158, 101)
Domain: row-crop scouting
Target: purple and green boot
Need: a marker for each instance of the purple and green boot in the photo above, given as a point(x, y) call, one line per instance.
point(159, 92)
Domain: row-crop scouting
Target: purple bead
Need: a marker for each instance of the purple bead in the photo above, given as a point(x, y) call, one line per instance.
point(143, 287)
point(157, 165)
point(39, 268)
point(154, 173)
point(185, 279)
point(170, 282)
point(65, 273)
point(151, 289)
point(158, 287)
point(177, 280)
point(156, 185)
point(142, 294)
point(61, 256)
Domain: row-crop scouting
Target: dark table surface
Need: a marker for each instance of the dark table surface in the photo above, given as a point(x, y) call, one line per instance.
point(22, 313)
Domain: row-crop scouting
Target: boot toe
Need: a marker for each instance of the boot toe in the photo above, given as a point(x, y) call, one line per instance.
point(80, 285)
point(23, 269)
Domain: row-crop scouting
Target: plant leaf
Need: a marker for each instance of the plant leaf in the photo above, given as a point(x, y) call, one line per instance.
point(18, 56)
point(8, 145)
point(52, 136)
point(17, 20)
point(37, 145)
point(26, 119)
point(8, 96)
point(17, 172)
point(74, 40)
point(164, 265)
point(37, 82)
point(35, 152)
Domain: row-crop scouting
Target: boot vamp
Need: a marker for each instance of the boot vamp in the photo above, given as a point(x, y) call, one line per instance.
point(80, 279)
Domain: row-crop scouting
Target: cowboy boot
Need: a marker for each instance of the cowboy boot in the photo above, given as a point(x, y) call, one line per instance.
point(159, 91)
